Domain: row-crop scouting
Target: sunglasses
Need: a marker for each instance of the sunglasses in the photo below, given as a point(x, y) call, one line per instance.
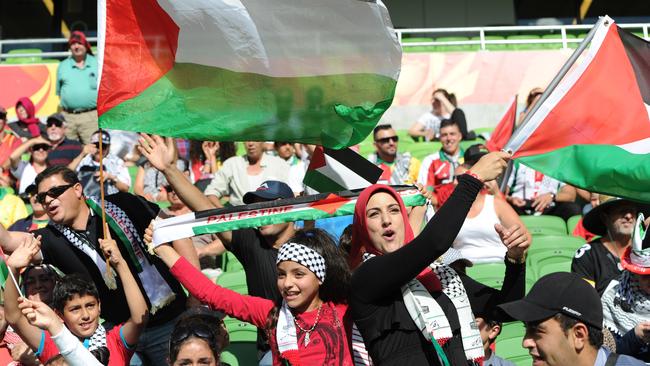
point(54, 122)
point(385, 140)
point(44, 147)
point(53, 192)
point(180, 335)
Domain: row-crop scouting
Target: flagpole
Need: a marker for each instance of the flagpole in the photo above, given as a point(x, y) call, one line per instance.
point(101, 192)
point(556, 80)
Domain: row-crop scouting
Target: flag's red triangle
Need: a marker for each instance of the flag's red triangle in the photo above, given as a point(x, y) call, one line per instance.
point(503, 131)
point(330, 204)
point(317, 159)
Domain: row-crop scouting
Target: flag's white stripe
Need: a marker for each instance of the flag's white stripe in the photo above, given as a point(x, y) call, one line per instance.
point(522, 134)
point(287, 38)
point(639, 147)
point(101, 36)
point(342, 175)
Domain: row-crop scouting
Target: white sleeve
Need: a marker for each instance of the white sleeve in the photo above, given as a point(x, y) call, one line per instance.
point(72, 350)
point(424, 170)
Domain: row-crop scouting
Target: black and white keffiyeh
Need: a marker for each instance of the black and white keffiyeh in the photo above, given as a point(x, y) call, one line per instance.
point(97, 340)
point(625, 304)
point(304, 256)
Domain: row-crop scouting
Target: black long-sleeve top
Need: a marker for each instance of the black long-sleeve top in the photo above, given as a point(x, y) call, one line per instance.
point(377, 306)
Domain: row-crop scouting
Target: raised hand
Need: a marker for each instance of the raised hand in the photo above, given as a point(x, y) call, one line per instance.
point(160, 152)
point(38, 314)
point(22, 256)
point(516, 239)
point(491, 165)
point(110, 249)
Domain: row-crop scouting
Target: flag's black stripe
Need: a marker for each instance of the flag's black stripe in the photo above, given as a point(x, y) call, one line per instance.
point(285, 202)
point(638, 52)
point(356, 163)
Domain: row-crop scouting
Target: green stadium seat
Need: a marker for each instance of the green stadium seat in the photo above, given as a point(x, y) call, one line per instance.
point(538, 261)
point(243, 342)
point(455, 48)
point(467, 143)
point(511, 350)
point(558, 45)
point(489, 274)
point(524, 46)
point(407, 48)
point(492, 47)
point(544, 243)
point(544, 224)
point(544, 269)
point(26, 59)
point(235, 281)
point(514, 329)
point(571, 223)
point(230, 263)
point(481, 130)
point(229, 358)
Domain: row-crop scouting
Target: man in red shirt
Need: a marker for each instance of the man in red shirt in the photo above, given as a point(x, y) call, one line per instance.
point(76, 301)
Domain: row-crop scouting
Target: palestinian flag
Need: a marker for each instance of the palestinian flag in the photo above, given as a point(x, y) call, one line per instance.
point(4, 270)
point(311, 71)
point(313, 207)
point(503, 131)
point(339, 170)
point(593, 130)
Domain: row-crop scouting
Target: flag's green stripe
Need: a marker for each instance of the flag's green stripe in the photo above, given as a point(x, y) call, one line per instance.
point(597, 168)
point(321, 182)
point(209, 103)
point(4, 272)
point(313, 214)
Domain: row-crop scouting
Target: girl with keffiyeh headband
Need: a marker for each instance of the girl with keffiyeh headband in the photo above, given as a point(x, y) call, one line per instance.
point(310, 326)
point(410, 309)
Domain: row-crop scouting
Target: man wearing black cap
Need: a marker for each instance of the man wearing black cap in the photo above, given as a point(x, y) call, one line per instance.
point(76, 84)
point(564, 320)
point(62, 150)
point(598, 262)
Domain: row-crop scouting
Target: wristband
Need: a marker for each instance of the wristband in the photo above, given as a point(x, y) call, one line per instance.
point(471, 174)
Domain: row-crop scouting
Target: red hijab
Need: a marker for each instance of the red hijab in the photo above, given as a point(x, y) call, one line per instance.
point(31, 121)
point(361, 242)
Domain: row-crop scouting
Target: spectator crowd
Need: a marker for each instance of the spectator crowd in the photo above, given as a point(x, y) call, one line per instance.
point(389, 285)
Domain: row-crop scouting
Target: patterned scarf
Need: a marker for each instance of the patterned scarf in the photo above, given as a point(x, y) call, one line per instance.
point(156, 288)
point(624, 304)
point(431, 319)
point(97, 340)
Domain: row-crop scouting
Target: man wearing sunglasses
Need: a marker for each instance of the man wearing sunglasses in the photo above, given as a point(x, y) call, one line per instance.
point(71, 243)
point(26, 171)
point(63, 150)
point(398, 168)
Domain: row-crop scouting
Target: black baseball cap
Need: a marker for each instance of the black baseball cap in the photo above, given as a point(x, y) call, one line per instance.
point(269, 190)
point(560, 292)
point(474, 153)
point(56, 117)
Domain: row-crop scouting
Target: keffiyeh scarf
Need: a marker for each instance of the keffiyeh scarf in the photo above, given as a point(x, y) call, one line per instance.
point(624, 304)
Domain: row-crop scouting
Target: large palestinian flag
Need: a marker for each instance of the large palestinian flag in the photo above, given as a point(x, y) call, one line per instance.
point(312, 71)
point(503, 131)
point(312, 207)
point(593, 131)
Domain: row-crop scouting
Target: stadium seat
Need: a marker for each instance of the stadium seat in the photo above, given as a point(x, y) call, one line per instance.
point(542, 243)
point(467, 143)
point(524, 46)
point(26, 59)
point(511, 350)
point(492, 47)
point(514, 329)
point(230, 263)
point(243, 342)
point(538, 261)
point(572, 222)
point(407, 48)
point(229, 358)
point(455, 48)
point(235, 281)
point(544, 269)
point(489, 274)
point(554, 46)
point(544, 224)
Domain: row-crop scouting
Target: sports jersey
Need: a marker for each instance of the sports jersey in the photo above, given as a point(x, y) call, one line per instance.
point(596, 264)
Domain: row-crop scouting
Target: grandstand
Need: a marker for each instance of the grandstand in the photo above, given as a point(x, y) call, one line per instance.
point(477, 62)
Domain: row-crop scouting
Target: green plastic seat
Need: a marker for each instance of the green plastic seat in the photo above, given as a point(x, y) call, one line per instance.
point(492, 47)
point(572, 222)
point(243, 342)
point(241, 332)
point(524, 46)
point(407, 48)
point(26, 59)
point(544, 262)
point(235, 281)
point(481, 130)
point(489, 274)
point(231, 263)
point(512, 330)
point(229, 359)
point(511, 350)
point(455, 48)
point(544, 269)
point(543, 243)
point(467, 143)
point(544, 224)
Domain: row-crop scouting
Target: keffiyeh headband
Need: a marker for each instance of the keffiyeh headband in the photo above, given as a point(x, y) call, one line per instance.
point(304, 256)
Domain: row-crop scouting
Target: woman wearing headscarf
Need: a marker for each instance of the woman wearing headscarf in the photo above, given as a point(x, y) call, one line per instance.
point(409, 309)
point(626, 302)
point(28, 125)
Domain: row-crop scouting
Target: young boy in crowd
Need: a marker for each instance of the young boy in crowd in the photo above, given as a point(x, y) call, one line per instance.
point(490, 330)
point(76, 301)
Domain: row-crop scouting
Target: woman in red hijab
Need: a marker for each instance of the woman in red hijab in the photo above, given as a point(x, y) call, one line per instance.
point(410, 309)
point(28, 125)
